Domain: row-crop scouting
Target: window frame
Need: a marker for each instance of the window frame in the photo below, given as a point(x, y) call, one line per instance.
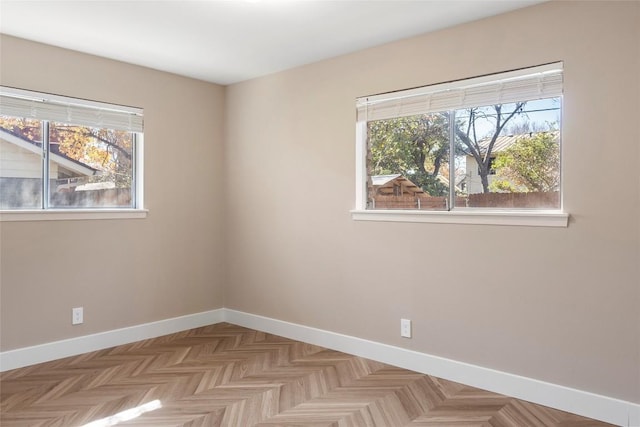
point(45, 212)
point(455, 215)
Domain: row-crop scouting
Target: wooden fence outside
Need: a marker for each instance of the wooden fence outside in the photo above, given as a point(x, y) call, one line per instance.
point(106, 198)
point(550, 200)
point(26, 193)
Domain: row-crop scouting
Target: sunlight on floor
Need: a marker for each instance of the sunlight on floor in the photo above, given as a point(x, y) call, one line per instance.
point(127, 415)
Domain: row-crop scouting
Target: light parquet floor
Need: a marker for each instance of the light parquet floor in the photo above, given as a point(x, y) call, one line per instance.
point(226, 375)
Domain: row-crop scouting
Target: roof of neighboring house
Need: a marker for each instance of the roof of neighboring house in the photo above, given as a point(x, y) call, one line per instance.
point(55, 155)
point(382, 180)
point(378, 180)
point(506, 141)
point(445, 181)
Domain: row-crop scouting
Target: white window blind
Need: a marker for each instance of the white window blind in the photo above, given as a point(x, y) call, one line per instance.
point(41, 106)
point(526, 84)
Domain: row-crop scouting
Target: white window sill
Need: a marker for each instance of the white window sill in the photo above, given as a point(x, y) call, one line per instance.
point(71, 214)
point(538, 218)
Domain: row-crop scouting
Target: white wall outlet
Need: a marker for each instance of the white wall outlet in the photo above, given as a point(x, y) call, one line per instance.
point(405, 328)
point(77, 315)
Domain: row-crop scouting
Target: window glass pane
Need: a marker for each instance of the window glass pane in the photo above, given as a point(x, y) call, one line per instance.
point(90, 167)
point(20, 163)
point(408, 162)
point(510, 155)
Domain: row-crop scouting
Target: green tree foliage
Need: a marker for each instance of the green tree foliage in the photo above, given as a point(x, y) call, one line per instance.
point(531, 164)
point(416, 147)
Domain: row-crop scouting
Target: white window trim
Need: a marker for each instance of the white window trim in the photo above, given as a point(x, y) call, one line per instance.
point(17, 215)
point(71, 214)
point(538, 218)
point(478, 216)
point(97, 213)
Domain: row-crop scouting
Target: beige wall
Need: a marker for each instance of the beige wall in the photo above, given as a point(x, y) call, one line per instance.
point(124, 272)
point(559, 305)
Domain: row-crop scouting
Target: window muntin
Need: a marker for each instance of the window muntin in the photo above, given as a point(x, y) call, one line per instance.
point(88, 166)
point(504, 155)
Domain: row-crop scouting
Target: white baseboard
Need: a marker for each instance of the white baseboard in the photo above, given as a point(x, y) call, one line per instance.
point(26, 356)
point(614, 411)
point(603, 408)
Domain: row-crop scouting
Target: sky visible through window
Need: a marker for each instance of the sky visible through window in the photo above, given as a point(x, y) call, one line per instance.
point(537, 116)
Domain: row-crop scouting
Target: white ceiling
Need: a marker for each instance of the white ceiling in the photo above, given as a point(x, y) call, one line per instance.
point(230, 41)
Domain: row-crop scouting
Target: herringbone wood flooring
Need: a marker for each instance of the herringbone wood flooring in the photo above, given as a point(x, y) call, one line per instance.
point(226, 375)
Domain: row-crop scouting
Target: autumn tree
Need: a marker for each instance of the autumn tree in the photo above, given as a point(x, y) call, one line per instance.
point(477, 129)
point(26, 128)
point(106, 150)
point(416, 147)
point(531, 164)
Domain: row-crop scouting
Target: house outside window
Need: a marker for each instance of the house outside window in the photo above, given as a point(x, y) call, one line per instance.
point(60, 153)
point(487, 143)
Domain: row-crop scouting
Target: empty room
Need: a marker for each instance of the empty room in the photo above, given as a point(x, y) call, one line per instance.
point(320, 213)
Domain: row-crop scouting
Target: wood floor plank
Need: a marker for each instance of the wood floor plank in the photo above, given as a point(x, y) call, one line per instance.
point(226, 375)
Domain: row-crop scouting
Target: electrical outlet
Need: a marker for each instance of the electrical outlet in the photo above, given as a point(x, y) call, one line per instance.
point(77, 315)
point(405, 328)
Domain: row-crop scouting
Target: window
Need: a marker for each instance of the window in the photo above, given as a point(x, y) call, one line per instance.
point(60, 153)
point(487, 144)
